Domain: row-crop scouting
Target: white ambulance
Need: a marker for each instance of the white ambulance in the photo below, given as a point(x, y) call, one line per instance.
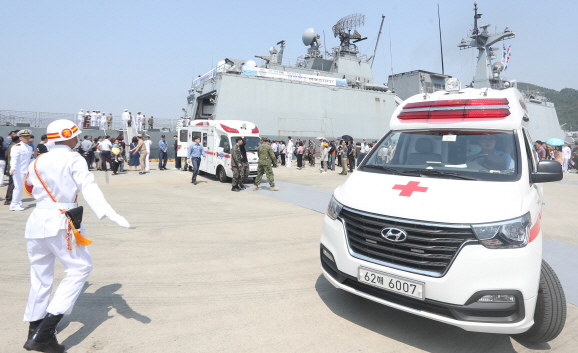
point(443, 217)
point(217, 138)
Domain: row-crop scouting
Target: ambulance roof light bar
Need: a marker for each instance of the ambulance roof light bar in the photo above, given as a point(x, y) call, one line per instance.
point(453, 85)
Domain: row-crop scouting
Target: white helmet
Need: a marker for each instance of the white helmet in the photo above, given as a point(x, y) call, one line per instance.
point(62, 130)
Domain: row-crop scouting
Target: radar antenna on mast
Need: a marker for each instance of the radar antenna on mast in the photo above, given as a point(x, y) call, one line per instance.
point(343, 28)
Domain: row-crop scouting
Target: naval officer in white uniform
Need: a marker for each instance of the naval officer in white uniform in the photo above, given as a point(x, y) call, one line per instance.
point(19, 160)
point(80, 118)
point(125, 119)
point(54, 180)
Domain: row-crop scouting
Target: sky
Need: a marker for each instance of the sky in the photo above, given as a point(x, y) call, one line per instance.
point(60, 56)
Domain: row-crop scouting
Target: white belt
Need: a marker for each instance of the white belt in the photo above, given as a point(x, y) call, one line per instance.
point(46, 205)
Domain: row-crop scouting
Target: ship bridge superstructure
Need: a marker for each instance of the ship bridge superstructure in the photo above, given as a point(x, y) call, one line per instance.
point(327, 93)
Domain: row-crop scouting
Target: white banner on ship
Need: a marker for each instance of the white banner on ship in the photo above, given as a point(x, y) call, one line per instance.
point(209, 75)
point(294, 76)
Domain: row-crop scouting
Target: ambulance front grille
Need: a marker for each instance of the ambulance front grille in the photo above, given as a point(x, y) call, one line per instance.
point(430, 248)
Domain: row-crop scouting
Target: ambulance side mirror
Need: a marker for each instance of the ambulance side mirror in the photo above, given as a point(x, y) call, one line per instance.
point(547, 171)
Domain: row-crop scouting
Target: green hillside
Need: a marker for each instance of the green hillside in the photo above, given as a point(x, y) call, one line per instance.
point(566, 102)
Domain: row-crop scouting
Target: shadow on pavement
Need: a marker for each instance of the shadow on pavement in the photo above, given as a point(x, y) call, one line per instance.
point(415, 331)
point(91, 310)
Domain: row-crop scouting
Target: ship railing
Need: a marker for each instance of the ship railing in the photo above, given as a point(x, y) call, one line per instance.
point(43, 119)
point(18, 118)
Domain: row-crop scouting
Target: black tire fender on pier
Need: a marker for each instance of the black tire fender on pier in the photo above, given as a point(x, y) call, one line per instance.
point(550, 313)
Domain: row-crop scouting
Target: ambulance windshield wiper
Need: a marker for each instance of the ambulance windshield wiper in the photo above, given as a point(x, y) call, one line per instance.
point(391, 170)
point(440, 173)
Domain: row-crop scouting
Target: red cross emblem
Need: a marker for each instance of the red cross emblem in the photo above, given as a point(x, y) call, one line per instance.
point(411, 187)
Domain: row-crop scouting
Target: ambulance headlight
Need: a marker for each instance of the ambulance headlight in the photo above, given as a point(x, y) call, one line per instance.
point(513, 233)
point(334, 208)
point(453, 84)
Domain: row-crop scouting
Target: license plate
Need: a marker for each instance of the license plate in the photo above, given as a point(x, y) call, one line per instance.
point(392, 283)
point(252, 169)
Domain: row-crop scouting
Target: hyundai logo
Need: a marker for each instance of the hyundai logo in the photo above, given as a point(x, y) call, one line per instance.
point(395, 235)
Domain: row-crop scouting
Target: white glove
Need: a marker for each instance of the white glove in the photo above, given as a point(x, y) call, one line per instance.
point(118, 219)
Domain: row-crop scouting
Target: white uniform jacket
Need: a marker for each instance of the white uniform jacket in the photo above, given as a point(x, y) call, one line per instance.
point(65, 174)
point(20, 158)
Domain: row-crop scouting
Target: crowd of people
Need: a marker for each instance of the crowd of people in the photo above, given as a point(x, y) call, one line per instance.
point(333, 153)
point(566, 156)
point(17, 151)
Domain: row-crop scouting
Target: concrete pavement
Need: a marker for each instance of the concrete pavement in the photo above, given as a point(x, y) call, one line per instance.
point(208, 270)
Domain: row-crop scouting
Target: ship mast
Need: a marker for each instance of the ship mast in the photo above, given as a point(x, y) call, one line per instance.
point(483, 40)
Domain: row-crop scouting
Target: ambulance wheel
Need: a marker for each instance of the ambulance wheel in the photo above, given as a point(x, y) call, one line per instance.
point(221, 175)
point(550, 313)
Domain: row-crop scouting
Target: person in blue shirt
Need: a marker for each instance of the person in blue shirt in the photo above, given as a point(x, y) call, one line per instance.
point(163, 147)
point(194, 157)
point(488, 144)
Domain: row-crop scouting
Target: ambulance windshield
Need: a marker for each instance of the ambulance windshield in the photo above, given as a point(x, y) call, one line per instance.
point(252, 143)
point(481, 155)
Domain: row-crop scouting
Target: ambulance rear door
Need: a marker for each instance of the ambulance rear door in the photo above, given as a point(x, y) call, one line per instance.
point(184, 136)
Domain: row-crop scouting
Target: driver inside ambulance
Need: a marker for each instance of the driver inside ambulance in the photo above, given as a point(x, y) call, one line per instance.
point(488, 145)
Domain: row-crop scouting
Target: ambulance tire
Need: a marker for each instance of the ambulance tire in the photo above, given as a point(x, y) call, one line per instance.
point(222, 176)
point(550, 313)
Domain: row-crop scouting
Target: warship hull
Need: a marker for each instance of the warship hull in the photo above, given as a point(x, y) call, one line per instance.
point(544, 122)
point(282, 108)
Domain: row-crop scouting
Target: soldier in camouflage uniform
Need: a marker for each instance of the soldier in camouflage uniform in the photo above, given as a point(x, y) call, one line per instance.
point(245, 163)
point(265, 153)
point(237, 166)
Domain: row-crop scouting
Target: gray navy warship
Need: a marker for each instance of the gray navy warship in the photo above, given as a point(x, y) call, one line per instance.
point(323, 94)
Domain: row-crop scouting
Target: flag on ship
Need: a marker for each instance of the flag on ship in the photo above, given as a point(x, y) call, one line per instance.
point(508, 54)
point(504, 54)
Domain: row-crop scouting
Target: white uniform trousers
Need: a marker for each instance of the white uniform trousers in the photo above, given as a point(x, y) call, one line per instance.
point(147, 162)
point(18, 189)
point(565, 162)
point(77, 265)
point(288, 161)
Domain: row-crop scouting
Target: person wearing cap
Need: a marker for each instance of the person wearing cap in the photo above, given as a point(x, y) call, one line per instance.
point(163, 148)
point(93, 121)
point(19, 159)
point(151, 122)
point(80, 117)
point(139, 118)
point(125, 119)
point(55, 179)
point(265, 154)
point(109, 121)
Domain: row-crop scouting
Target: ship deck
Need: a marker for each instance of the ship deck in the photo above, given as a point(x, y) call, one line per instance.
point(210, 270)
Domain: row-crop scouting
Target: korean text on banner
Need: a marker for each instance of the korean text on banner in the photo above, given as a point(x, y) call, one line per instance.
point(294, 76)
point(200, 80)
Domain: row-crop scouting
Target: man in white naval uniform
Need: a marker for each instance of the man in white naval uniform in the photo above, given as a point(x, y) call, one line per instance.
point(103, 121)
point(289, 152)
point(97, 119)
point(93, 121)
point(54, 180)
point(19, 160)
point(125, 118)
point(139, 118)
point(80, 118)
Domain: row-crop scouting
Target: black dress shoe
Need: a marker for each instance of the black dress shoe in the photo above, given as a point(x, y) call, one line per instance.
point(235, 188)
point(7, 202)
point(196, 182)
point(44, 336)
